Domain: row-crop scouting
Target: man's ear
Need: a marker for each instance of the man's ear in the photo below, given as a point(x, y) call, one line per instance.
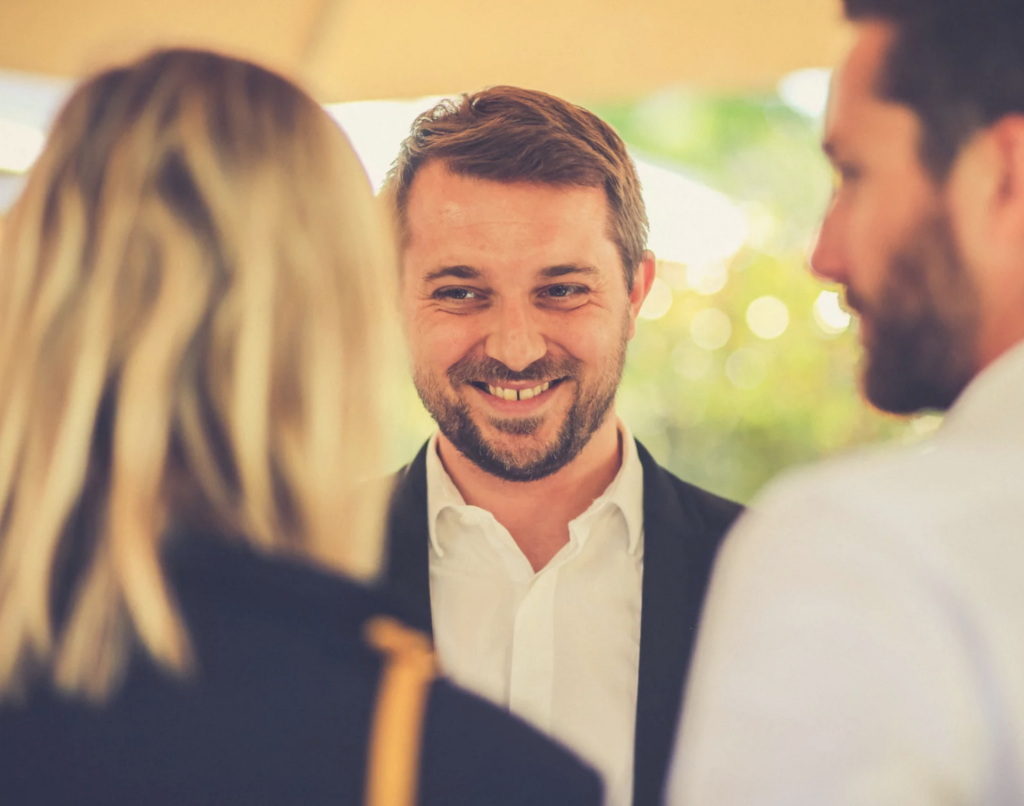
point(985, 201)
point(1007, 136)
point(987, 187)
point(642, 280)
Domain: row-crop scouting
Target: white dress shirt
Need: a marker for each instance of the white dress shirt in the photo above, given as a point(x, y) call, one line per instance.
point(863, 640)
point(560, 647)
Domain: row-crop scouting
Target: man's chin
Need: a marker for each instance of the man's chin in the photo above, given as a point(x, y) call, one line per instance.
point(520, 441)
point(516, 428)
point(520, 450)
point(512, 457)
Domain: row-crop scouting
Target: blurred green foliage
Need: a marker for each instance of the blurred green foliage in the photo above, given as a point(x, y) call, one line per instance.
point(801, 403)
point(731, 418)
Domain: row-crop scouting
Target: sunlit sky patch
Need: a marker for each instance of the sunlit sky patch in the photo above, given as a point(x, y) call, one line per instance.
point(806, 91)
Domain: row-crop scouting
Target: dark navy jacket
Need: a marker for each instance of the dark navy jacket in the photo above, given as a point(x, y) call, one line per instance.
point(683, 526)
point(278, 711)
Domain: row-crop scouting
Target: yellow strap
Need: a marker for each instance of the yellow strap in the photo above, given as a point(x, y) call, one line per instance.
point(396, 735)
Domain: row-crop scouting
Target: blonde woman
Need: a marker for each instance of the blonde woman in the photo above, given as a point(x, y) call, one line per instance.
point(192, 291)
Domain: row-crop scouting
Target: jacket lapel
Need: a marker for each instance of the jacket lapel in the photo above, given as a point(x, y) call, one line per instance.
point(408, 571)
point(678, 554)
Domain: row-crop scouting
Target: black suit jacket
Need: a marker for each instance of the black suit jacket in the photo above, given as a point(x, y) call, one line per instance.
point(277, 712)
point(683, 526)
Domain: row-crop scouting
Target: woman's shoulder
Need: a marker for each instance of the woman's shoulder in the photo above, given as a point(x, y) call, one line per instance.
point(279, 705)
point(281, 685)
point(231, 592)
point(474, 752)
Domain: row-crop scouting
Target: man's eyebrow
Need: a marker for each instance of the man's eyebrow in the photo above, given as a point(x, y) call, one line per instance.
point(552, 272)
point(458, 272)
point(830, 149)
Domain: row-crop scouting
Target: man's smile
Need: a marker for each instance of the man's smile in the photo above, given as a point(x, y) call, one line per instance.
point(510, 392)
point(515, 399)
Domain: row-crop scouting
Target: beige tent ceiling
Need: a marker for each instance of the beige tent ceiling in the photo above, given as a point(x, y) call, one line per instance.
point(360, 49)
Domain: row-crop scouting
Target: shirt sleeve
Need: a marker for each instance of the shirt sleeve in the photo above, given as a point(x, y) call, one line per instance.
point(831, 668)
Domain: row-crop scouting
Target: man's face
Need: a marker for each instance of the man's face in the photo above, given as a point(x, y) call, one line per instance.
point(517, 317)
point(887, 237)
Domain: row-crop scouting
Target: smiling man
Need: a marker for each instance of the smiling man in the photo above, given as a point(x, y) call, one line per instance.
point(864, 635)
point(560, 569)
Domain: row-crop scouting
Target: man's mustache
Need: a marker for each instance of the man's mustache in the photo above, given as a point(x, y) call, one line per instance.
point(490, 370)
point(854, 301)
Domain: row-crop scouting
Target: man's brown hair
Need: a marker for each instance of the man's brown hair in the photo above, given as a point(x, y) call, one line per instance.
point(508, 134)
point(956, 64)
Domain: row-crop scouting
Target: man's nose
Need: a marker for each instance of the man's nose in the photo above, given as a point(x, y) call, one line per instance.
point(515, 338)
point(828, 258)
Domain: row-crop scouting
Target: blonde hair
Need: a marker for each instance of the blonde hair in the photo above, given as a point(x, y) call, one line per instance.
point(193, 287)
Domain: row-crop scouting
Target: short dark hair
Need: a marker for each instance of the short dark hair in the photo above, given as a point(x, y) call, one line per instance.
point(957, 64)
point(509, 134)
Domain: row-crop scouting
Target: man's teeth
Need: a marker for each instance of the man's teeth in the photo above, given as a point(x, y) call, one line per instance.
point(518, 394)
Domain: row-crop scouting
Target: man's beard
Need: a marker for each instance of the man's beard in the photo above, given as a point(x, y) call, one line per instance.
point(922, 329)
point(589, 408)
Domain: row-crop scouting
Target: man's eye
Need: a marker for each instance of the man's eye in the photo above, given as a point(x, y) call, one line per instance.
point(564, 291)
point(457, 294)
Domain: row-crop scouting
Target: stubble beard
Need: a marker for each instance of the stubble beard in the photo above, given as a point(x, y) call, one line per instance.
point(922, 337)
point(587, 412)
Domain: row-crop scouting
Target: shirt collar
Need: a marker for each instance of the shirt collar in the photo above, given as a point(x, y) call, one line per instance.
point(441, 492)
point(991, 402)
point(626, 492)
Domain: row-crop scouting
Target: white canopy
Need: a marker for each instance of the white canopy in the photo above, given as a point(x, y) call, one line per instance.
point(359, 49)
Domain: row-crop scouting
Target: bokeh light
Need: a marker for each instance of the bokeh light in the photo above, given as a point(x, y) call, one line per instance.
point(829, 314)
point(674, 274)
point(767, 317)
point(691, 363)
point(746, 368)
point(658, 301)
point(710, 329)
point(707, 278)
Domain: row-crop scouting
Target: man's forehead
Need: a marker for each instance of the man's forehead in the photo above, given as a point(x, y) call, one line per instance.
point(442, 193)
point(443, 205)
point(515, 231)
